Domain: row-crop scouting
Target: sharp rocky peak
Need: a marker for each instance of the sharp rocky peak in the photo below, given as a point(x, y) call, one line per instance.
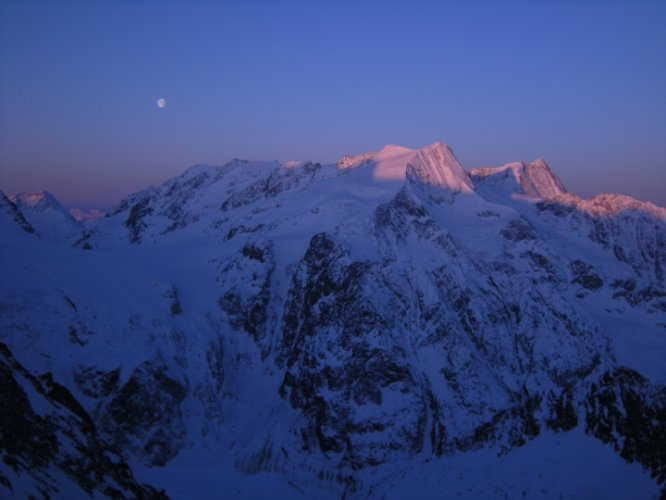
point(534, 179)
point(41, 204)
point(37, 200)
point(437, 166)
point(543, 181)
point(44, 213)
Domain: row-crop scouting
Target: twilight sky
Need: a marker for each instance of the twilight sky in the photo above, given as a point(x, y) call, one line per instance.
point(579, 83)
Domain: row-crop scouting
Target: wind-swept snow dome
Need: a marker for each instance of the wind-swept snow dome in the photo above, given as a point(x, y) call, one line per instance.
point(434, 164)
point(533, 179)
point(391, 162)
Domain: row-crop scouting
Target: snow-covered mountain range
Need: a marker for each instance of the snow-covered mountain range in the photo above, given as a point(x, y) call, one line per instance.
point(386, 325)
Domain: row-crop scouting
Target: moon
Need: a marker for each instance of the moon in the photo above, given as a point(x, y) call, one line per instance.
point(161, 102)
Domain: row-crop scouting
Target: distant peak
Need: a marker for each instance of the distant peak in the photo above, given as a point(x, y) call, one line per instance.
point(291, 164)
point(441, 151)
point(534, 179)
point(39, 201)
point(614, 203)
point(437, 166)
point(544, 181)
point(86, 216)
point(42, 198)
point(437, 146)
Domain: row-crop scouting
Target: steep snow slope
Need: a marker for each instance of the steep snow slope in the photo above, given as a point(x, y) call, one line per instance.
point(563, 465)
point(330, 327)
point(12, 221)
point(46, 215)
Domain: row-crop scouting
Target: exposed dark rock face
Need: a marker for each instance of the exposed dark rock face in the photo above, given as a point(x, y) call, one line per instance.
point(510, 334)
point(47, 435)
point(144, 414)
point(653, 298)
point(510, 428)
point(178, 194)
point(10, 211)
point(519, 230)
point(564, 415)
point(628, 412)
point(135, 221)
point(344, 368)
point(278, 181)
point(96, 383)
point(343, 357)
point(246, 284)
point(404, 215)
point(242, 229)
point(556, 208)
point(175, 308)
point(625, 227)
point(583, 274)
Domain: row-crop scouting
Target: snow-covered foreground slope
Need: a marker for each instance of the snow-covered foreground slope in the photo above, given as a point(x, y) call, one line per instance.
point(554, 465)
point(384, 325)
